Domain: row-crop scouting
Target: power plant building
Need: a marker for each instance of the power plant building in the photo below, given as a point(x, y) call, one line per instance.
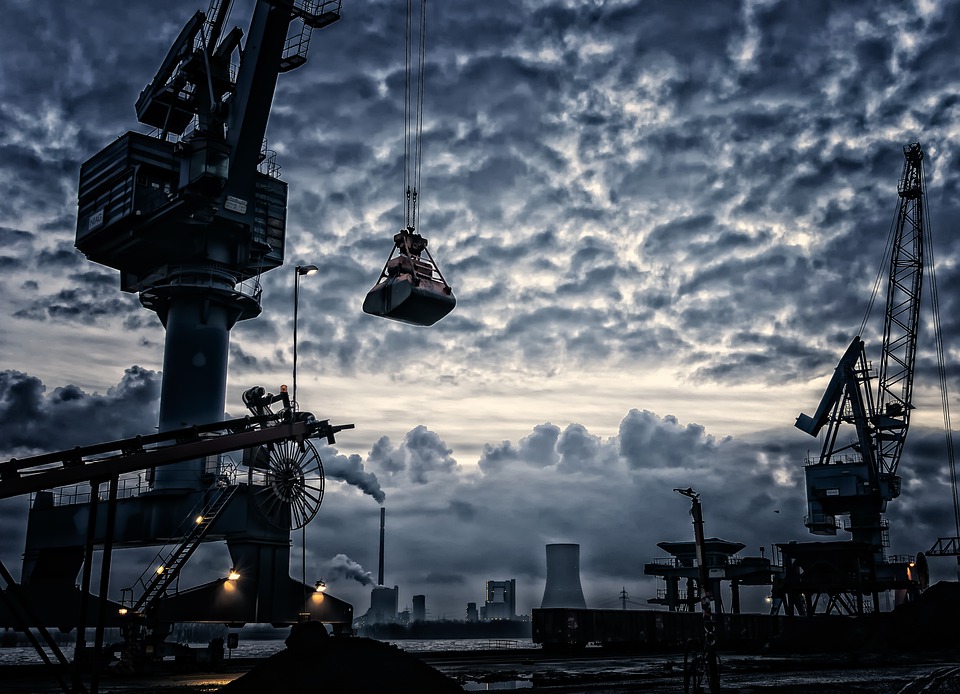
point(501, 600)
point(419, 608)
point(563, 577)
point(383, 605)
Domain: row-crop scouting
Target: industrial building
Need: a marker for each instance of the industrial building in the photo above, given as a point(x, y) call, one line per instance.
point(419, 608)
point(501, 600)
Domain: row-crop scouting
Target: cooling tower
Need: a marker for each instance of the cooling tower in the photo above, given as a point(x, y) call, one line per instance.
point(563, 577)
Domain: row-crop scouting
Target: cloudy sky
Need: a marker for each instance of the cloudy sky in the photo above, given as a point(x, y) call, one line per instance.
point(662, 221)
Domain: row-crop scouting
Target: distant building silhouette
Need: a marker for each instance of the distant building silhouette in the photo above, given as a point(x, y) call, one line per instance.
point(383, 605)
point(419, 608)
point(472, 614)
point(563, 577)
point(501, 600)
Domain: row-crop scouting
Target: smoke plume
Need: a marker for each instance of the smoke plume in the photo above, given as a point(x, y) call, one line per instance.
point(350, 469)
point(342, 566)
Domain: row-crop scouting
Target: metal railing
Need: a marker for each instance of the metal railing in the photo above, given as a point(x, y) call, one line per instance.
point(129, 486)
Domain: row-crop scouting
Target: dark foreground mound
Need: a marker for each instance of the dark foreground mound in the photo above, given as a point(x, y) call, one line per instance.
point(315, 662)
point(927, 624)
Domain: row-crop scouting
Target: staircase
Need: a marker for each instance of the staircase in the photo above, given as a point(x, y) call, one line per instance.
point(169, 568)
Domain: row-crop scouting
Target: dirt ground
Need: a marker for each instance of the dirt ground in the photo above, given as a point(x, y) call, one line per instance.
point(593, 672)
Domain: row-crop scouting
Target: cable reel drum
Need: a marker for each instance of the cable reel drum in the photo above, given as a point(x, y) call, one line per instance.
point(286, 479)
point(286, 482)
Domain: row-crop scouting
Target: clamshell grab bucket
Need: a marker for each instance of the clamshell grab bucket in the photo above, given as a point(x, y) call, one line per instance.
point(400, 299)
point(411, 288)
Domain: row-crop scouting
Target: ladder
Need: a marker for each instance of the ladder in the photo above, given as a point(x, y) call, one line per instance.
point(169, 568)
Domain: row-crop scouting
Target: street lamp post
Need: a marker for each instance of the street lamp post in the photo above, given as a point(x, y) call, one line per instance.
point(301, 270)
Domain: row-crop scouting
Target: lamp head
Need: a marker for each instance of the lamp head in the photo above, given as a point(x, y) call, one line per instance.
point(307, 270)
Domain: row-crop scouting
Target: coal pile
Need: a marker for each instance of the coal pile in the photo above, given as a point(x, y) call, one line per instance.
point(927, 624)
point(313, 661)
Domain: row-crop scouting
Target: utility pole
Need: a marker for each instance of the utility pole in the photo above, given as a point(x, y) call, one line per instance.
point(705, 662)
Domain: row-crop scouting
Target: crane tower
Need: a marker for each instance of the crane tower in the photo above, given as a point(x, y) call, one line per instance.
point(866, 418)
point(191, 215)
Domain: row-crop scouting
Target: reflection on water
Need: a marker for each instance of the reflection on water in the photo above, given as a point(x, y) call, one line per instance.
point(496, 686)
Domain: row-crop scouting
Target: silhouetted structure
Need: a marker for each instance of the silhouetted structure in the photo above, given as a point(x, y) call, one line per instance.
point(383, 605)
point(419, 608)
point(563, 577)
point(723, 564)
point(501, 600)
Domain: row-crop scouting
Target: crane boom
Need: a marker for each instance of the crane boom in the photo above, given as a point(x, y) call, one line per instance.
point(858, 477)
point(901, 321)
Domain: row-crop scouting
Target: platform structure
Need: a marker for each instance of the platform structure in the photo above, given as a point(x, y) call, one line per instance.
point(724, 564)
point(843, 578)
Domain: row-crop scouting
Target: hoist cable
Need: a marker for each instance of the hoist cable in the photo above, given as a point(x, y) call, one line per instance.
point(413, 114)
point(420, 83)
point(941, 369)
point(408, 47)
point(878, 282)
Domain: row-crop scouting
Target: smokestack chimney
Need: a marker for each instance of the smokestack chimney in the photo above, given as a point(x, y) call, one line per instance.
point(563, 577)
point(383, 514)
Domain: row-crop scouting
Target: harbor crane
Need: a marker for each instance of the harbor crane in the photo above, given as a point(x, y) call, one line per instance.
point(855, 477)
point(191, 214)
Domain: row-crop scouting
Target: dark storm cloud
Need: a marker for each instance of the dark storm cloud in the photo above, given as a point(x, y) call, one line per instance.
point(643, 436)
point(557, 144)
point(599, 125)
point(427, 454)
point(385, 457)
point(8, 263)
point(436, 577)
point(578, 449)
point(33, 421)
point(10, 237)
point(85, 304)
point(538, 449)
point(422, 454)
point(495, 456)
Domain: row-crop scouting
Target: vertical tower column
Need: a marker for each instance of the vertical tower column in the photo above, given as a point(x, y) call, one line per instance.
point(198, 307)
